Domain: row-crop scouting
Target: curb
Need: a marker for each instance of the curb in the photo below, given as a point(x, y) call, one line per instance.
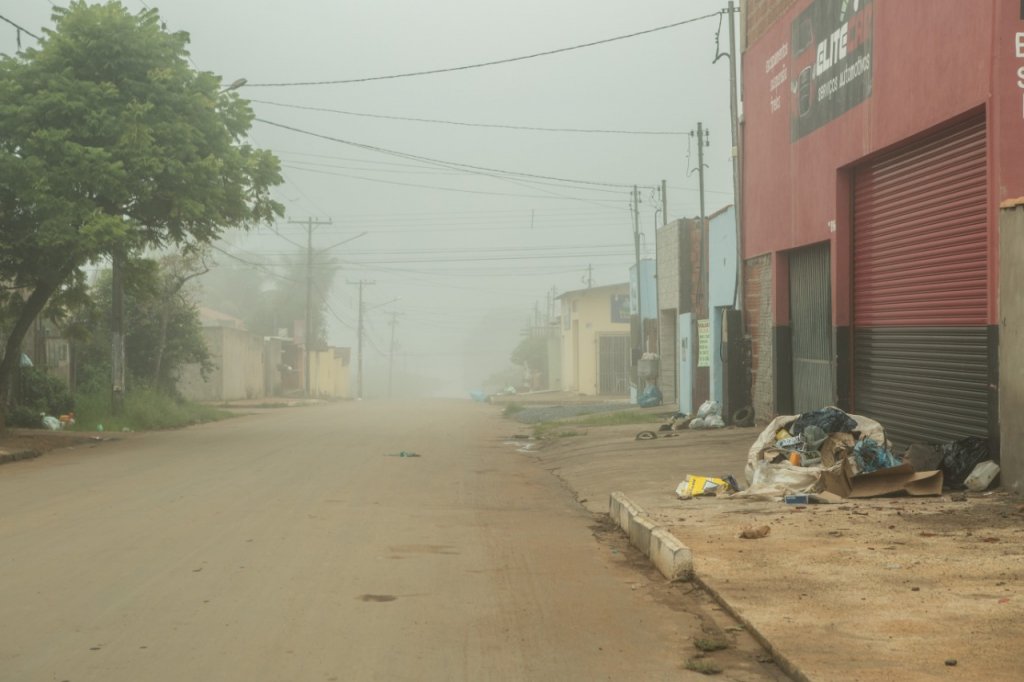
point(7, 457)
point(675, 561)
point(671, 557)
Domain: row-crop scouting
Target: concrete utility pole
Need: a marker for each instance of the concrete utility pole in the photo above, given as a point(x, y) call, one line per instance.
point(117, 331)
point(639, 279)
point(737, 157)
point(308, 334)
point(391, 353)
point(701, 143)
point(359, 342)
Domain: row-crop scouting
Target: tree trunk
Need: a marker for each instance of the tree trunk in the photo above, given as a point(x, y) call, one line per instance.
point(12, 352)
point(165, 315)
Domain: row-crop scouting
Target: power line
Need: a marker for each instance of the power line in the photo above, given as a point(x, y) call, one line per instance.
point(474, 125)
point(486, 64)
point(447, 164)
point(20, 30)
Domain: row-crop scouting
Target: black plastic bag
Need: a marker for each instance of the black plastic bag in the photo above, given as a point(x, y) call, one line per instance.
point(828, 419)
point(959, 457)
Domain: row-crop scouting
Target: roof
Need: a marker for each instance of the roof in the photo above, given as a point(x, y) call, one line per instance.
point(607, 288)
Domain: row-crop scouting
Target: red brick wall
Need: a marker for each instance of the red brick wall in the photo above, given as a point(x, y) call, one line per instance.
point(761, 14)
point(757, 304)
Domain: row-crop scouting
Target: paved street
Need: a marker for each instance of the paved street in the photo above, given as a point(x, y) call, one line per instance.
point(288, 546)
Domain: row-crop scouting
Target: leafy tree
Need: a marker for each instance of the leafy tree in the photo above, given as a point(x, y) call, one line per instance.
point(532, 353)
point(268, 303)
point(162, 325)
point(111, 141)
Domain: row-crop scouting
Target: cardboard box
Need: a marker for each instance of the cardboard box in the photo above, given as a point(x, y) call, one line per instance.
point(899, 479)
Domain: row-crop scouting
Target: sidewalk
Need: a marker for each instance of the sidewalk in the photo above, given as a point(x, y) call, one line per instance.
point(886, 588)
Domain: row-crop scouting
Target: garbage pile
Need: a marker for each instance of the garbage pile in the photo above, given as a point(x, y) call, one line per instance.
point(831, 454)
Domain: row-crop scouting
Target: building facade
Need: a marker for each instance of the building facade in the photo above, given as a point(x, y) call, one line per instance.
point(595, 358)
point(881, 169)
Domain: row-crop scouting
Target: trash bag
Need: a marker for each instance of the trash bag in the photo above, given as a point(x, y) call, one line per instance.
point(708, 408)
point(959, 457)
point(698, 423)
point(714, 421)
point(650, 397)
point(813, 436)
point(828, 419)
point(872, 456)
point(53, 423)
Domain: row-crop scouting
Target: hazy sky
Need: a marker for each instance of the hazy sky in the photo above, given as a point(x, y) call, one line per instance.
point(468, 255)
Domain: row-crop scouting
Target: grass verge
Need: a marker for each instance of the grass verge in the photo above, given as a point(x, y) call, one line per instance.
point(616, 418)
point(144, 410)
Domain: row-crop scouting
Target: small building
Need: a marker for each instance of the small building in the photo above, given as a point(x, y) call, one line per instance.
point(882, 185)
point(595, 336)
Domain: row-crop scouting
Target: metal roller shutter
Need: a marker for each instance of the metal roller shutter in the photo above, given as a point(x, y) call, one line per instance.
point(920, 294)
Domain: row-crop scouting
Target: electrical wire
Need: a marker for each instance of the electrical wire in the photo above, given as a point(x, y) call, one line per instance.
point(486, 64)
point(473, 125)
point(447, 164)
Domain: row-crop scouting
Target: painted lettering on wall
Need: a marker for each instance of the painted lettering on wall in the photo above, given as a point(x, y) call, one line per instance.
point(831, 44)
point(779, 78)
point(1019, 51)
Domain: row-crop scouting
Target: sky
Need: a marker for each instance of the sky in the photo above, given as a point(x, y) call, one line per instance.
point(462, 260)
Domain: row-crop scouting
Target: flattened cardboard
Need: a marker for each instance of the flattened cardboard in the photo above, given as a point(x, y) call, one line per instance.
point(897, 479)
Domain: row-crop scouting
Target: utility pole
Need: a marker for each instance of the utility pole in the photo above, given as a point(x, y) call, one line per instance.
point(737, 157)
point(359, 343)
point(664, 203)
point(117, 331)
point(639, 279)
point(590, 276)
point(308, 334)
point(701, 143)
point(391, 353)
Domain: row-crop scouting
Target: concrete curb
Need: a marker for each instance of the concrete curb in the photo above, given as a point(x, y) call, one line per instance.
point(671, 557)
point(675, 561)
point(15, 456)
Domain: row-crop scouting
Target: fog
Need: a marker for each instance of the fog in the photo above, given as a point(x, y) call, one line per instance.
point(461, 260)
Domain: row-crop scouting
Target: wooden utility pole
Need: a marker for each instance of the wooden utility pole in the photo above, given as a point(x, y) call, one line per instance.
point(737, 157)
point(308, 333)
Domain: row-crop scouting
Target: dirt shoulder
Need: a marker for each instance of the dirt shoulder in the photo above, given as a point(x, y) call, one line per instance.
point(888, 588)
point(38, 441)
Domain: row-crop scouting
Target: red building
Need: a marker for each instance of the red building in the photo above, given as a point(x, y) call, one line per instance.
point(883, 148)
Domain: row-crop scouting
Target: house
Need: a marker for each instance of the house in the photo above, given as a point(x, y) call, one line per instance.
point(595, 339)
point(883, 213)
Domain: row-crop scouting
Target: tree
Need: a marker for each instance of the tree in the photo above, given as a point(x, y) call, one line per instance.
point(110, 140)
point(532, 354)
point(162, 323)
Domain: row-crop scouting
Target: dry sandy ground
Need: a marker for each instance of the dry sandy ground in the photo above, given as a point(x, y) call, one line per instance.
point(288, 545)
point(867, 590)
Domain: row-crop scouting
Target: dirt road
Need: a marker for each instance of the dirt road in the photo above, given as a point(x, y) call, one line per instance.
point(289, 546)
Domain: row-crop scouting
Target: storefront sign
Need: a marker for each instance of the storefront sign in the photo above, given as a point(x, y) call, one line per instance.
point(703, 343)
point(830, 69)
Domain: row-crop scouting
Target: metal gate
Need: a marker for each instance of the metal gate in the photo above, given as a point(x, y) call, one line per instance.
point(922, 353)
point(810, 311)
point(613, 360)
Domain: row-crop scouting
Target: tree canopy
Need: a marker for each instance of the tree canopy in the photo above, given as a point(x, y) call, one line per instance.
point(110, 140)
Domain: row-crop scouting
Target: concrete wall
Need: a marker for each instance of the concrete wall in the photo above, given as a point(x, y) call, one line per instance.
point(757, 306)
point(330, 374)
point(238, 367)
point(667, 248)
point(722, 288)
point(1011, 340)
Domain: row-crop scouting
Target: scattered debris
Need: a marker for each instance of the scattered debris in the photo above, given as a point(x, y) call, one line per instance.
point(710, 643)
point(404, 453)
point(646, 435)
point(754, 532)
point(703, 666)
point(981, 476)
point(697, 486)
point(951, 662)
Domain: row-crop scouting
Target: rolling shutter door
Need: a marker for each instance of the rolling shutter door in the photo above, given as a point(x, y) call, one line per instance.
point(920, 260)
